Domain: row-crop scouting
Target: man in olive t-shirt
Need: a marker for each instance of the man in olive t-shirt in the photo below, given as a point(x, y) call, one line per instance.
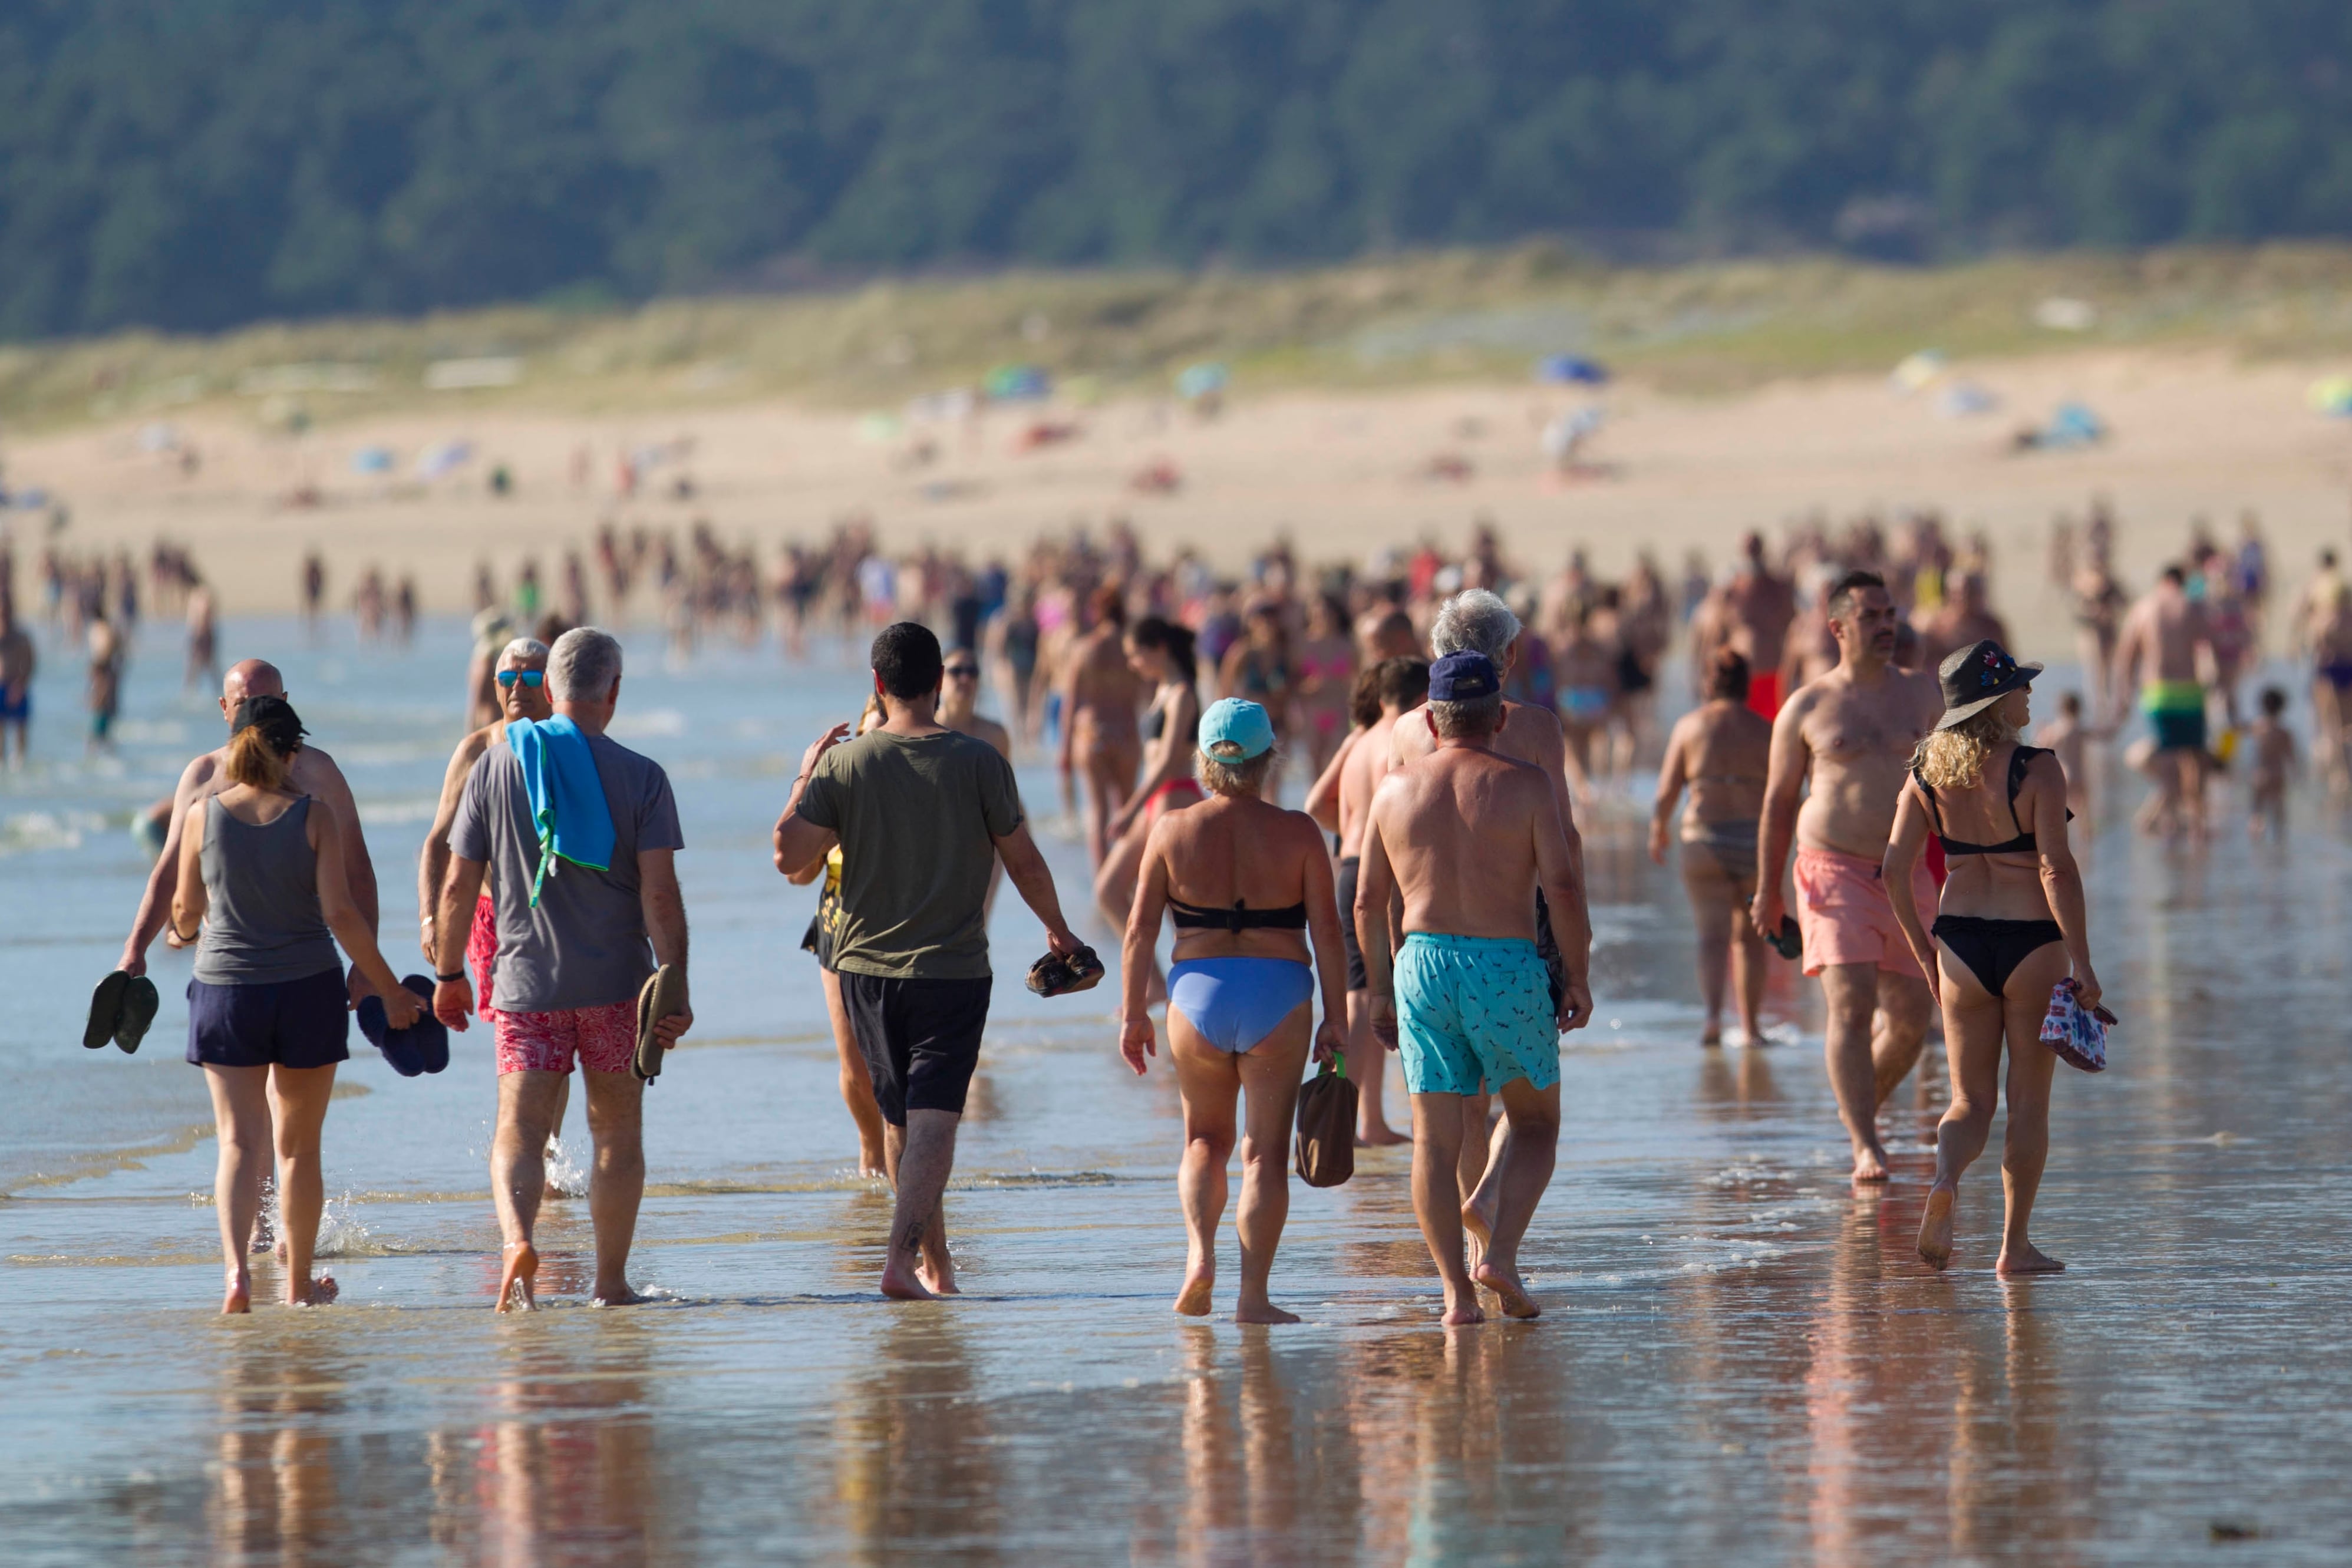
point(921, 814)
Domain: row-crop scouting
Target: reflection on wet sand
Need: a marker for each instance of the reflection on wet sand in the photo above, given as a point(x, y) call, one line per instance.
point(275, 1494)
point(913, 1445)
point(561, 1469)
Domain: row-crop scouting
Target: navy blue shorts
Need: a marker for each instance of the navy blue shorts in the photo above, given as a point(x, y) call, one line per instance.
point(293, 1023)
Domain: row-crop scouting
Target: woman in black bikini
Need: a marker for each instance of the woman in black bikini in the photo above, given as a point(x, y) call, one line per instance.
point(2011, 927)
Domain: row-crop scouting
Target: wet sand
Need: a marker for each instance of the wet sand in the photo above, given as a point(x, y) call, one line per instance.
point(1741, 1360)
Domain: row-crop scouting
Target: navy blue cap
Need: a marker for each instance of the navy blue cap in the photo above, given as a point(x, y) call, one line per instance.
point(1463, 678)
point(422, 1047)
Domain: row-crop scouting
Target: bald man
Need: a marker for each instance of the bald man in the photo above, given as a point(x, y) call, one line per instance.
point(314, 773)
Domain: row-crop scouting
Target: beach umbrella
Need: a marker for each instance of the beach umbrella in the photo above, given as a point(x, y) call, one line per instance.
point(1571, 369)
point(1196, 381)
point(372, 460)
point(443, 457)
point(1017, 384)
point(2333, 394)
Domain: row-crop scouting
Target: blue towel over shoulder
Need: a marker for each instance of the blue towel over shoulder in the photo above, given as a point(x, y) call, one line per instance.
point(567, 798)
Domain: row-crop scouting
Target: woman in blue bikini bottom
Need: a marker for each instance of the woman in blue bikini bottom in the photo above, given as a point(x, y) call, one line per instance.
point(1240, 991)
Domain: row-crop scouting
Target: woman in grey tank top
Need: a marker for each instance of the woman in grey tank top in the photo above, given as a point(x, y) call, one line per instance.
point(263, 896)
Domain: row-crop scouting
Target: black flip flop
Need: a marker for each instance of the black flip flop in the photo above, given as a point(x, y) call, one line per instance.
point(139, 1005)
point(105, 1009)
point(1788, 942)
point(1055, 976)
point(657, 1000)
point(422, 1047)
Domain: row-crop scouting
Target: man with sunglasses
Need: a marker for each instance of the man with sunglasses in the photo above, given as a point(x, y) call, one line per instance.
point(521, 676)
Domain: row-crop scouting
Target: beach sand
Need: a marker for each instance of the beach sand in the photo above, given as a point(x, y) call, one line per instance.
point(1341, 474)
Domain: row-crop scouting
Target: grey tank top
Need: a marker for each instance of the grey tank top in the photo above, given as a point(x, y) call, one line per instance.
point(262, 921)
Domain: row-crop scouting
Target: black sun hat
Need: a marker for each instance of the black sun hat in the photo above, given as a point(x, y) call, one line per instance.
point(1976, 677)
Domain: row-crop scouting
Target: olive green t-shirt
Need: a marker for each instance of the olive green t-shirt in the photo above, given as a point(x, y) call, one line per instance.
point(919, 817)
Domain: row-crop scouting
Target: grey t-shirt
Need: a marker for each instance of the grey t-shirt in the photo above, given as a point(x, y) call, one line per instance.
point(919, 818)
point(585, 945)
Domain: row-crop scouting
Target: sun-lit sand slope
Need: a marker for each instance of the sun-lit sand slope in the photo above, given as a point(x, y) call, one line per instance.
point(1340, 473)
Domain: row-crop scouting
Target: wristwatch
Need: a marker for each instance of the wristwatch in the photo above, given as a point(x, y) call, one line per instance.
point(451, 979)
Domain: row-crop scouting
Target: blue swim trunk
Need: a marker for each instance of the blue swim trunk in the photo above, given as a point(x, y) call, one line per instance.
point(1471, 1007)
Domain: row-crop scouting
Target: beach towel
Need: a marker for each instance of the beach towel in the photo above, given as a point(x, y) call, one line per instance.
point(567, 799)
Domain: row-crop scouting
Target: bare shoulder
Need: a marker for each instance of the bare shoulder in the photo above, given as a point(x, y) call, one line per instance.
point(315, 770)
point(201, 777)
point(1926, 691)
point(1540, 724)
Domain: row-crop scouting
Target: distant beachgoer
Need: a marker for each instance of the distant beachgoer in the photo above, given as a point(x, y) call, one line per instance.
point(203, 638)
point(2067, 737)
point(1848, 733)
point(1247, 884)
point(1161, 654)
point(107, 653)
point(19, 659)
point(2275, 760)
point(1751, 613)
point(261, 893)
point(1402, 685)
point(2324, 631)
point(1722, 751)
point(1101, 746)
point(2010, 925)
point(1464, 836)
point(314, 589)
point(1327, 669)
point(2155, 655)
point(586, 907)
point(920, 813)
point(856, 1084)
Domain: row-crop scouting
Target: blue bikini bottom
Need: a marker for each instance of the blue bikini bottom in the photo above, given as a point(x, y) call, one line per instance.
point(1235, 1003)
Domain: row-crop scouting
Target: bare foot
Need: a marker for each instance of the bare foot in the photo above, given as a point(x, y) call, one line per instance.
point(938, 1278)
point(322, 1290)
point(1193, 1301)
point(1935, 1228)
point(238, 1296)
point(902, 1285)
point(870, 1164)
point(1464, 1312)
point(1478, 1229)
point(1261, 1312)
point(518, 1274)
point(1870, 1164)
point(1504, 1283)
point(2025, 1258)
point(1711, 1035)
point(623, 1297)
point(1380, 1137)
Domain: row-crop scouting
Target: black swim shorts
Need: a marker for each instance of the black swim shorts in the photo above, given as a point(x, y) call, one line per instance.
point(921, 1039)
point(1356, 979)
point(291, 1023)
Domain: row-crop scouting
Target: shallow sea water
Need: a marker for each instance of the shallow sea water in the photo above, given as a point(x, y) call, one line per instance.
point(1740, 1359)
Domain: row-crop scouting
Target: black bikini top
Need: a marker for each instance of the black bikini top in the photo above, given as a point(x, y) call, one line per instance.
point(1155, 725)
point(2023, 844)
point(1238, 919)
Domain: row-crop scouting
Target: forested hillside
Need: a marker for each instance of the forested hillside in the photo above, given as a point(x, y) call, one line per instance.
point(191, 164)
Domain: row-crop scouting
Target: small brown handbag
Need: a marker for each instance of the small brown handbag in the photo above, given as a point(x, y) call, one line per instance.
point(1326, 1126)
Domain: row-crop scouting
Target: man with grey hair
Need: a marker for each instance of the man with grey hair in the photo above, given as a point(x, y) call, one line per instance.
point(1463, 839)
point(1478, 621)
point(583, 915)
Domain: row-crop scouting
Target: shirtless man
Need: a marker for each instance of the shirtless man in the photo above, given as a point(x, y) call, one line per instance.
point(1478, 622)
point(1466, 835)
point(1751, 616)
point(1403, 686)
point(1853, 731)
point(2155, 655)
point(314, 773)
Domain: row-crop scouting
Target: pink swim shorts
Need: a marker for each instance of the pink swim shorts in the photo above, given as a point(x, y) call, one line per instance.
point(603, 1038)
point(1843, 911)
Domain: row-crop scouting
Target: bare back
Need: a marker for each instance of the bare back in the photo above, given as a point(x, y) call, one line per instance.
point(1854, 737)
point(1529, 734)
point(1723, 750)
point(1104, 692)
point(1460, 829)
point(1230, 848)
point(1999, 886)
point(1367, 763)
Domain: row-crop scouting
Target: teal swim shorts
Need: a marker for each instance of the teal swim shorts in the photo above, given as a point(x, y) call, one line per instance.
point(1471, 1007)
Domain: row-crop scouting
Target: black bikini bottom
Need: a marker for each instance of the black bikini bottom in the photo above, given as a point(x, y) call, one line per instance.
point(1993, 949)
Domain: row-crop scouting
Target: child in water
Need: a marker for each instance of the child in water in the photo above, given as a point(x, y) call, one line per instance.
point(2064, 735)
point(2275, 758)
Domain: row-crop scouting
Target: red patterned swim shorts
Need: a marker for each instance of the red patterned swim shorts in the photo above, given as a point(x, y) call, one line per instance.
point(604, 1038)
point(481, 948)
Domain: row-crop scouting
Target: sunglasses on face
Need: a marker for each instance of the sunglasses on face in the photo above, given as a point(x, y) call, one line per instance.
point(506, 678)
point(963, 672)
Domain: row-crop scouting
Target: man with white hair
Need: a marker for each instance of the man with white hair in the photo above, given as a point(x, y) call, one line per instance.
point(584, 913)
point(1476, 620)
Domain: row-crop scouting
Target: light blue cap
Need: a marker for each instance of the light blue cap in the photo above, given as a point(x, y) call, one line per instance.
point(1235, 731)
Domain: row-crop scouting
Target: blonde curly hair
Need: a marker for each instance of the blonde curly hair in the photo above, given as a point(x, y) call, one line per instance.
point(1955, 758)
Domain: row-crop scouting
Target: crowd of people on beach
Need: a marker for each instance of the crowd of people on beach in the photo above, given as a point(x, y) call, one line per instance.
point(1853, 787)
